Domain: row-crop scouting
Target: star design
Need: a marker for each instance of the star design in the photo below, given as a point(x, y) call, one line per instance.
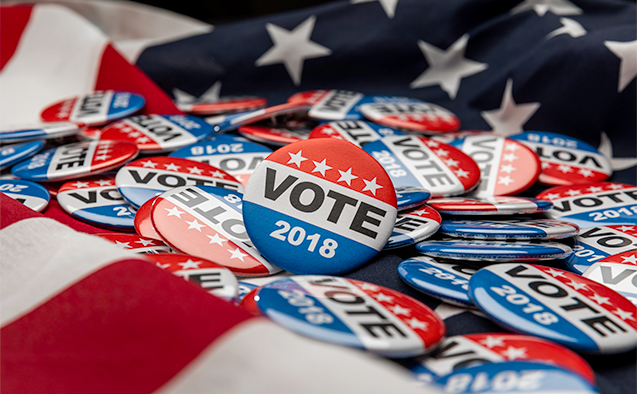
point(236, 254)
point(451, 163)
point(380, 297)
point(123, 245)
point(600, 300)
point(624, 315)
point(172, 167)
point(209, 96)
point(195, 224)
point(346, 177)
point(505, 180)
point(104, 182)
point(564, 168)
point(615, 186)
point(513, 353)
point(296, 158)
point(368, 286)
point(149, 164)
point(586, 172)
point(570, 27)
point(399, 310)
point(460, 173)
point(174, 212)
point(432, 143)
point(492, 342)
point(189, 264)
point(441, 152)
point(135, 134)
point(321, 167)
point(625, 51)
point(595, 189)
point(510, 117)
point(80, 184)
point(102, 157)
point(217, 174)
point(552, 196)
point(511, 146)
point(507, 168)
point(577, 285)
point(371, 186)
point(554, 273)
point(545, 165)
point(215, 239)
point(145, 242)
point(420, 212)
point(162, 266)
point(573, 192)
point(292, 48)
point(632, 259)
point(389, 6)
point(618, 163)
point(541, 7)
point(417, 324)
point(509, 157)
point(142, 140)
point(447, 68)
point(195, 170)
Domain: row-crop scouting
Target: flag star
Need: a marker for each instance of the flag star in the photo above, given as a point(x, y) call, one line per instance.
point(174, 212)
point(447, 68)
point(346, 176)
point(195, 170)
point(600, 300)
point(217, 174)
point(552, 196)
point(623, 314)
point(162, 266)
point(189, 264)
point(399, 310)
point(80, 184)
point(380, 297)
point(172, 167)
point(577, 285)
point(573, 192)
point(371, 186)
point(148, 164)
point(507, 168)
point(618, 163)
point(509, 157)
point(104, 182)
point(321, 167)
point(505, 180)
point(145, 242)
point(123, 245)
point(625, 51)
point(451, 163)
point(292, 48)
point(215, 239)
point(142, 140)
point(296, 158)
point(541, 7)
point(492, 342)
point(595, 189)
point(630, 259)
point(510, 117)
point(545, 165)
point(102, 157)
point(586, 172)
point(195, 224)
point(570, 27)
point(513, 353)
point(417, 324)
point(389, 6)
point(441, 152)
point(236, 254)
point(460, 173)
point(554, 273)
point(368, 286)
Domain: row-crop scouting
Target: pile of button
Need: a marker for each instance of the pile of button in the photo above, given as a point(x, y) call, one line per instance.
point(319, 186)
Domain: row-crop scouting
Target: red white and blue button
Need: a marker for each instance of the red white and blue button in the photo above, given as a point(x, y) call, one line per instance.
point(331, 104)
point(408, 197)
point(618, 272)
point(489, 205)
point(277, 136)
point(230, 122)
point(509, 229)
point(598, 243)
point(244, 289)
point(413, 226)
point(143, 222)
point(496, 251)
point(227, 104)
point(358, 132)
point(39, 131)
point(321, 206)
point(30, 194)
point(135, 243)
point(411, 115)
point(12, 154)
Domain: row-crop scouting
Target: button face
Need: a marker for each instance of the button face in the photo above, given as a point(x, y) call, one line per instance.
point(463, 351)
point(143, 223)
point(244, 289)
point(158, 133)
point(593, 204)
point(42, 131)
point(321, 206)
point(490, 205)
point(617, 272)
point(228, 104)
point(598, 243)
point(439, 278)
point(556, 305)
point(143, 179)
point(11, 154)
point(415, 116)
point(207, 222)
point(273, 135)
point(565, 160)
point(223, 123)
point(413, 226)
point(507, 166)
point(234, 155)
point(97, 201)
point(135, 243)
point(94, 109)
point(493, 250)
point(352, 313)
point(30, 194)
point(331, 104)
point(509, 229)
point(521, 377)
point(358, 132)
point(423, 162)
point(408, 197)
point(76, 160)
point(211, 277)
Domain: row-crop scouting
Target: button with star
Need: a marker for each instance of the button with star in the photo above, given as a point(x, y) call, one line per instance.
point(413, 226)
point(556, 305)
point(320, 206)
point(135, 243)
point(490, 206)
point(30, 194)
point(521, 229)
point(600, 243)
point(220, 105)
point(223, 123)
point(412, 115)
point(358, 132)
point(352, 313)
point(618, 272)
point(143, 223)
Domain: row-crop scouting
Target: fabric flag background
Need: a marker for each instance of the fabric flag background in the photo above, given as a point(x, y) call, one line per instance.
point(116, 324)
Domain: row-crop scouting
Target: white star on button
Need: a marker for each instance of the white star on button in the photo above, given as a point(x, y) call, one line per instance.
point(190, 264)
point(513, 353)
point(595, 189)
point(417, 324)
point(215, 239)
point(623, 314)
point(509, 157)
point(123, 245)
point(586, 172)
point(600, 300)
point(174, 212)
point(217, 174)
point(296, 158)
point(505, 180)
point(577, 286)
point(460, 173)
point(195, 170)
point(236, 254)
point(552, 196)
point(371, 186)
point(554, 273)
point(491, 342)
point(104, 182)
point(80, 184)
point(102, 157)
point(321, 167)
point(346, 177)
point(148, 164)
point(630, 259)
point(573, 192)
point(399, 310)
point(507, 168)
point(380, 297)
point(145, 242)
point(451, 163)
point(510, 117)
point(172, 167)
point(564, 168)
point(195, 224)
point(368, 286)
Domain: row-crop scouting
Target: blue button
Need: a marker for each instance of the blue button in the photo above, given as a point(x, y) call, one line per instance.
point(40, 131)
point(490, 205)
point(493, 250)
point(30, 194)
point(509, 229)
point(598, 243)
point(12, 154)
point(408, 197)
point(413, 226)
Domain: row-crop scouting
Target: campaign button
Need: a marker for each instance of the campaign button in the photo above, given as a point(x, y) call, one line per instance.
point(307, 97)
point(39, 131)
point(227, 104)
point(249, 301)
point(94, 109)
point(491, 206)
point(357, 132)
point(143, 179)
point(90, 133)
point(509, 229)
point(135, 243)
point(352, 313)
point(598, 243)
point(333, 104)
point(618, 272)
point(234, 155)
point(507, 166)
point(464, 351)
point(557, 305)
point(565, 160)
point(76, 160)
point(158, 133)
point(439, 278)
point(273, 135)
point(207, 222)
point(413, 226)
point(496, 251)
point(422, 162)
point(230, 122)
point(143, 223)
point(213, 278)
point(593, 204)
point(96, 201)
point(244, 289)
point(414, 116)
point(408, 197)
point(11, 154)
point(321, 206)
point(523, 377)
point(30, 194)
point(451, 136)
